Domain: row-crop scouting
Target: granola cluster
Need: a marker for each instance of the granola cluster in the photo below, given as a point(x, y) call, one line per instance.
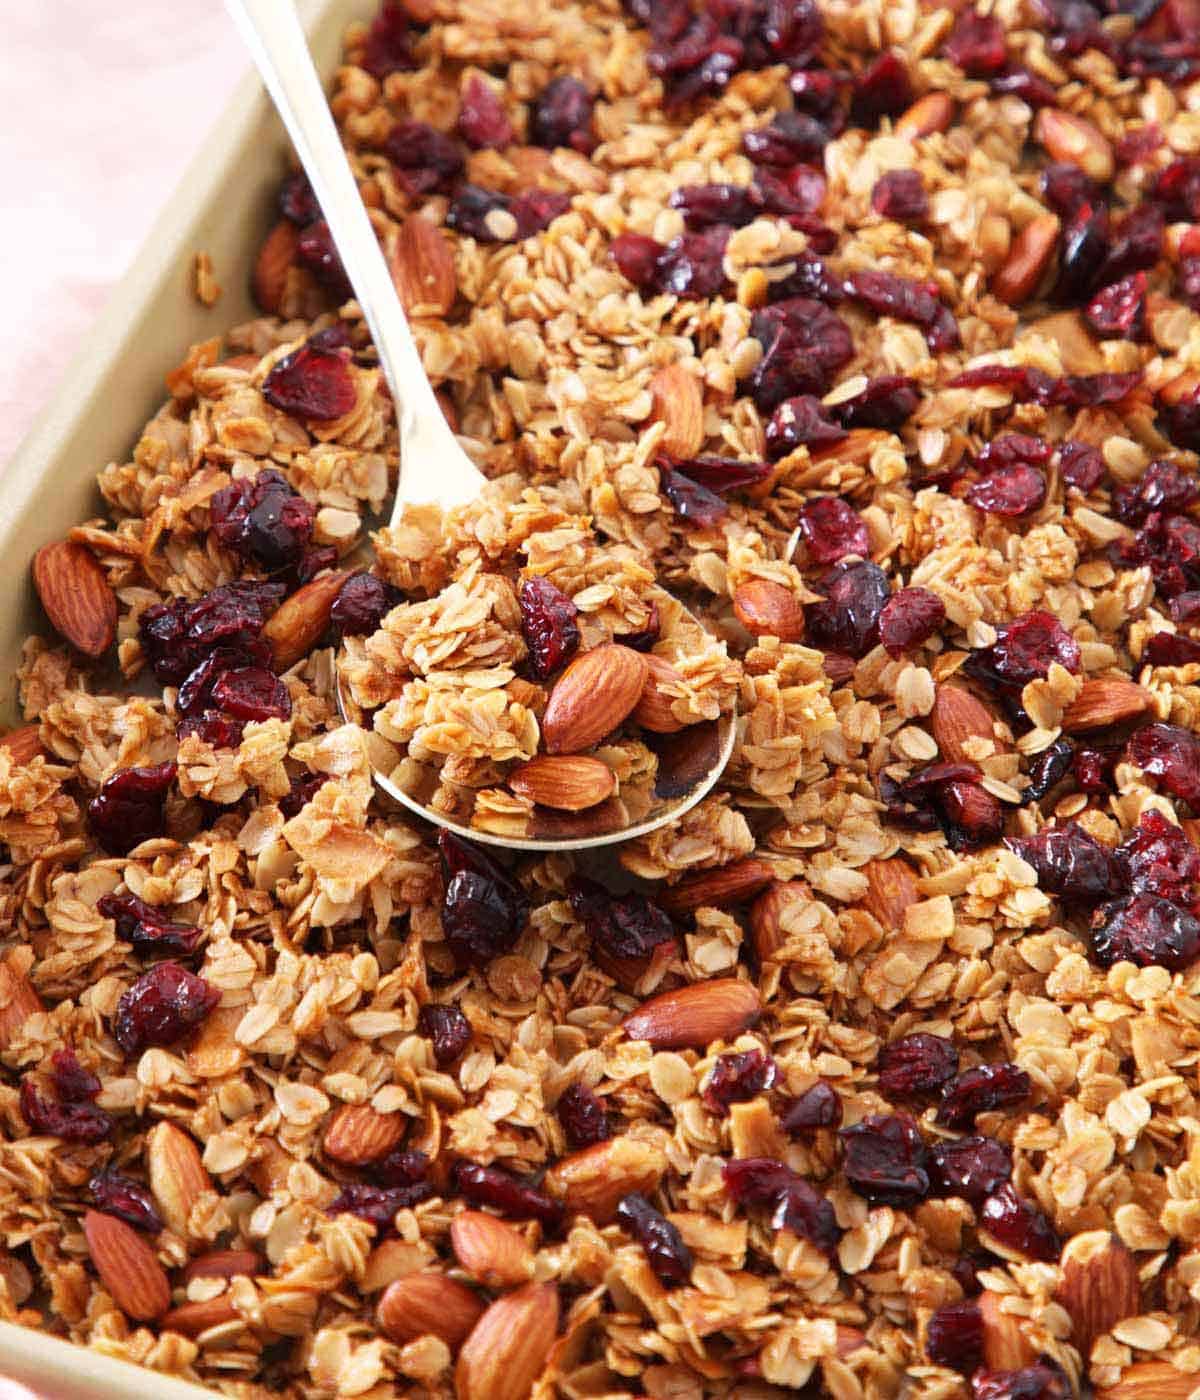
point(867, 331)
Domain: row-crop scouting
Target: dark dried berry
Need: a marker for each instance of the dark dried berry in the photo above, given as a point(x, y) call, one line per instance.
point(73, 1122)
point(196, 692)
point(147, 927)
point(702, 206)
point(1136, 244)
point(297, 202)
point(1066, 188)
point(636, 257)
point(623, 926)
point(127, 1199)
point(548, 626)
point(1018, 1225)
point(1118, 311)
point(424, 158)
point(1171, 754)
point(311, 383)
point(177, 636)
point(484, 909)
point(887, 402)
point(362, 603)
point(401, 1169)
point(316, 250)
point(720, 475)
point(954, 1337)
point(818, 92)
point(1092, 769)
point(789, 139)
point(161, 1007)
point(1147, 931)
point(490, 1186)
point(1017, 80)
point(1048, 769)
point(1043, 1381)
point(562, 116)
point(805, 275)
point(666, 1252)
point(1138, 144)
point(818, 1107)
point(832, 529)
point(72, 1083)
point(906, 300)
point(482, 121)
point(1083, 248)
point(802, 421)
point(1090, 390)
point(909, 617)
point(211, 727)
point(1185, 607)
point(885, 1160)
point(378, 1204)
point(980, 1090)
point(581, 1113)
point(689, 500)
point(262, 520)
point(1074, 25)
point(470, 209)
point(388, 45)
point(1024, 649)
point(882, 89)
point(1163, 486)
point(976, 45)
point(916, 1064)
point(901, 195)
point(785, 31)
point(1023, 382)
point(1171, 649)
point(1187, 281)
point(692, 264)
point(1157, 858)
point(252, 693)
point(131, 807)
point(1176, 188)
point(847, 619)
point(804, 345)
point(1081, 465)
point(737, 1078)
point(970, 1167)
point(797, 1205)
point(537, 209)
point(304, 787)
point(1069, 863)
point(1009, 491)
point(447, 1028)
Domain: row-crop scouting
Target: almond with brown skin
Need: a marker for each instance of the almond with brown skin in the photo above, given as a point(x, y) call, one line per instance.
point(891, 888)
point(593, 1181)
point(1104, 701)
point(1075, 141)
point(1099, 1286)
point(178, 1177)
point(1005, 1345)
point(676, 402)
point(358, 1134)
point(423, 268)
point(1027, 261)
point(299, 623)
point(127, 1267)
point(769, 915)
point(23, 745)
point(727, 885)
point(18, 1000)
point(567, 782)
point(592, 697)
point(1152, 1380)
point(428, 1304)
point(75, 594)
point(191, 1319)
point(490, 1250)
point(956, 719)
point(224, 1263)
point(931, 113)
point(275, 258)
point(694, 1016)
point(509, 1348)
point(769, 610)
point(653, 710)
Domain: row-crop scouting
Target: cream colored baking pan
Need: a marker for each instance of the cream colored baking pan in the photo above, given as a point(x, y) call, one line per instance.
point(223, 206)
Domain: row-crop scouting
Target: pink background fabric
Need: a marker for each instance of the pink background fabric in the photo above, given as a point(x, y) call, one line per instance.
point(105, 106)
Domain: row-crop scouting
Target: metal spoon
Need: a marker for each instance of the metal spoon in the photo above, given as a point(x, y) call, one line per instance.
point(434, 468)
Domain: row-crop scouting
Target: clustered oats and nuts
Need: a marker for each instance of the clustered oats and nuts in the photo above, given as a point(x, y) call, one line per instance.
point(871, 333)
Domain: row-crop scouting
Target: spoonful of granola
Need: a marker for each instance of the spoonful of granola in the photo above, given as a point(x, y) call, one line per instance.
point(528, 686)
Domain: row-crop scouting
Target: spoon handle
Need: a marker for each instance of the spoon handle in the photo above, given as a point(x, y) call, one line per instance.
point(433, 465)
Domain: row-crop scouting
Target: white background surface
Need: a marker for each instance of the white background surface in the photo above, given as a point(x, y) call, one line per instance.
point(104, 106)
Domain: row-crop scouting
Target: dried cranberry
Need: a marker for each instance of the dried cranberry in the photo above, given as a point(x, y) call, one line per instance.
point(490, 1186)
point(692, 264)
point(316, 250)
point(818, 1107)
point(1048, 769)
point(127, 1199)
point(1081, 465)
point(623, 926)
point(562, 116)
point(1083, 248)
point(130, 807)
point(72, 1082)
point(722, 474)
point(801, 421)
point(916, 1064)
point(1138, 145)
point(537, 209)
point(1119, 311)
point(388, 47)
point(1024, 382)
point(703, 206)
point(73, 1122)
point(362, 603)
point(1136, 244)
point(818, 92)
point(888, 402)
point(700, 62)
point(161, 1007)
point(484, 909)
point(980, 1090)
point(1066, 188)
point(882, 89)
point(252, 693)
point(1092, 769)
point(424, 158)
point(797, 1205)
point(976, 45)
point(470, 208)
point(311, 383)
point(211, 727)
point(378, 1204)
point(901, 195)
point(176, 637)
point(805, 275)
point(792, 31)
point(666, 1252)
point(1075, 26)
point(1172, 649)
point(636, 257)
point(1024, 649)
point(1157, 858)
point(1181, 421)
point(804, 344)
point(737, 1078)
point(885, 1160)
point(1171, 754)
point(1091, 390)
point(1185, 607)
point(482, 121)
point(196, 692)
point(848, 618)
point(1069, 862)
point(954, 1337)
point(297, 203)
point(447, 1028)
point(262, 519)
point(304, 787)
point(789, 139)
point(1018, 1224)
point(906, 300)
point(689, 500)
point(548, 626)
point(910, 617)
point(1042, 1381)
point(1162, 486)
point(1009, 491)
point(1173, 60)
point(1176, 188)
point(1017, 80)
point(832, 529)
point(1187, 281)
point(582, 1115)
point(970, 1167)
point(400, 1169)
point(1147, 931)
point(146, 926)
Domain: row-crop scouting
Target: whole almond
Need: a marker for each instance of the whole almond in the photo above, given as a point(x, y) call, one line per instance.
point(509, 1348)
point(127, 1267)
point(298, 624)
point(1104, 701)
point(956, 719)
point(592, 697)
point(1151, 1380)
point(177, 1175)
point(693, 1017)
point(931, 113)
point(423, 268)
point(727, 885)
point(271, 267)
point(18, 1000)
point(769, 913)
point(1005, 1345)
point(653, 710)
point(1075, 141)
point(1099, 1286)
point(224, 1263)
point(191, 1319)
point(358, 1134)
point(891, 888)
point(75, 593)
point(594, 1180)
point(676, 402)
point(769, 610)
point(490, 1250)
point(1027, 261)
point(425, 1304)
point(568, 783)
point(23, 745)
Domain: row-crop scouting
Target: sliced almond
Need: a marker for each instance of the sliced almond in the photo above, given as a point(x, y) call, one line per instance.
point(693, 1017)
point(423, 268)
point(1152, 1380)
point(1099, 1286)
point(178, 1177)
point(1104, 701)
point(567, 782)
point(592, 697)
point(127, 1267)
point(769, 914)
point(653, 710)
point(18, 1000)
point(769, 610)
point(23, 745)
point(509, 1348)
point(1005, 1345)
point(358, 1134)
point(300, 621)
point(593, 1181)
point(957, 718)
point(428, 1304)
point(224, 1263)
point(677, 402)
point(891, 889)
point(490, 1250)
point(927, 115)
point(727, 885)
point(75, 593)
point(1075, 141)
point(1027, 261)
point(271, 267)
point(191, 1319)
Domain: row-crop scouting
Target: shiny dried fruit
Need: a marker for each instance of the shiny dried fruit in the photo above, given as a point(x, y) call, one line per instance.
point(908, 618)
point(1146, 930)
point(128, 1199)
point(582, 1116)
point(666, 1252)
point(311, 383)
point(980, 1090)
point(737, 1078)
point(447, 1028)
point(901, 195)
point(954, 1337)
point(482, 121)
point(847, 620)
point(1018, 1225)
point(1069, 862)
point(491, 1186)
point(885, 1160)
point(832, 529)
point(161, 1007)
point(484, 909)
point(796, 1204)
point(562, 116)
point(916, 1064)
point(818, 1107)
point(262, 520)
point(624, 926)
point(146, 926)
point(130, 807)
point(970, 1167)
